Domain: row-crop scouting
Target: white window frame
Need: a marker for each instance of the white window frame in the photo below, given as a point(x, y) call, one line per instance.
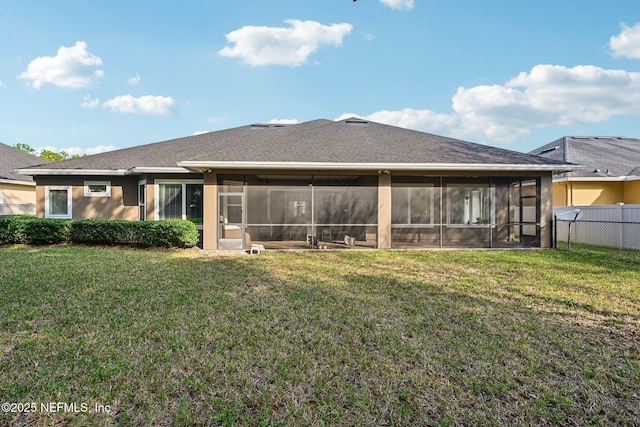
point(106, 193)
point(184, 182)
point(69, 190)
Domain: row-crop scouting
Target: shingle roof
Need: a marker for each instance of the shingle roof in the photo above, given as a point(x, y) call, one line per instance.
point(319, 141)
point(11, 158)
point(602, 156)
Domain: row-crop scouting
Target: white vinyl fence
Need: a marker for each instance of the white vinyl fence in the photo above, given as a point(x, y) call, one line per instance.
point(609, 225)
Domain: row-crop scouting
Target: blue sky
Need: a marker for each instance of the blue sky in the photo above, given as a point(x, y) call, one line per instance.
point(89, 76)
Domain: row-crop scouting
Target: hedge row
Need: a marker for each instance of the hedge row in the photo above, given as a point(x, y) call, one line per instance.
point(36, 231)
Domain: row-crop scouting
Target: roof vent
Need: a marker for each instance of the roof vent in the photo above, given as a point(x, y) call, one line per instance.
point(260, 125)
point(548, 150)
point(355, 121)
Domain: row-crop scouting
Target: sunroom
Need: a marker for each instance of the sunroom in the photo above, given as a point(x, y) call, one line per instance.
point(351, 211)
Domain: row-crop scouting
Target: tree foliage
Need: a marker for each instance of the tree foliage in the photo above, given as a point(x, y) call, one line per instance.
point(48, 155)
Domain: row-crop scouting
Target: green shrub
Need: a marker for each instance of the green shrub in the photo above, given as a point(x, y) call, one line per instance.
point(31, 230)
point(174, 233)
point(104, 231)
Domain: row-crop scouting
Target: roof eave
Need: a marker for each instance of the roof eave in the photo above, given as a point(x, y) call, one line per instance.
point(596, 178)
point(38, 171)
point(17, 182)
point(143, 169)
point(138, 170)
point(209, 165)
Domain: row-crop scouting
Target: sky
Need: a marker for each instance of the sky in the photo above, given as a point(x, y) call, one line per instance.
point(98, 75)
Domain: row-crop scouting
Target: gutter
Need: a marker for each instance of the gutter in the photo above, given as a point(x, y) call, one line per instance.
point(101, 172)
point(202, 165)
point(598, 179)
point(17, 182)
point(189, 166)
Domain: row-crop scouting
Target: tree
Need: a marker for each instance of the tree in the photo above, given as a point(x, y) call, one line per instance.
point(48, 155)
point(26, 148)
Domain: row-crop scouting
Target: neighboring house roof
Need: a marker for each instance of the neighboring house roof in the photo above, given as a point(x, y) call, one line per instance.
point(319, 144)
point(604, 157)
point(10, 159)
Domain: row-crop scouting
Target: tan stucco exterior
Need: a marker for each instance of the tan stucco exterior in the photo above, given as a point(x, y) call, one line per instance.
point(122, 204)
point(384, 211)
point(632, 192)
point(594, 193)
point(17, 199)
point(546, 211)
point(210, 211)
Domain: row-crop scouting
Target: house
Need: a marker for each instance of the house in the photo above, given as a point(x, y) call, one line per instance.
point(17, 192)
point(350, 183)
point(612, 173)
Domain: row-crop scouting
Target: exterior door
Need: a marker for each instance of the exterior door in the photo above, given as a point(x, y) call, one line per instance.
point(232, 219)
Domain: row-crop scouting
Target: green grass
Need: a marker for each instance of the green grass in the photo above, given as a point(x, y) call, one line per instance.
point(321, 338)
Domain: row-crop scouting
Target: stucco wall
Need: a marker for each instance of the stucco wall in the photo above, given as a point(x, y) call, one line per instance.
point(17, 199)
point(122, 204)
point(588, 193)
point(632, 192)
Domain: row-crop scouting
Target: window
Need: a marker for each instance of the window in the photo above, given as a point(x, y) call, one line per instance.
point(469, 204)
point(97, 189)
point(142, 200)
point(57, 201)
point(180, 200)
point(412, 204)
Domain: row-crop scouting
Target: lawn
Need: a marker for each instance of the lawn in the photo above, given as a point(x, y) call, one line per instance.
point(141, 337)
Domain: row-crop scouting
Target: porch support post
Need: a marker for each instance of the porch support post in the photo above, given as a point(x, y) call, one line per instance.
point(40, 201)
point(210, 214)
point(546, 210)
point(384, 211)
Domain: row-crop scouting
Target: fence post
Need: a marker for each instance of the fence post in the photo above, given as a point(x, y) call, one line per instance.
point(621, 228)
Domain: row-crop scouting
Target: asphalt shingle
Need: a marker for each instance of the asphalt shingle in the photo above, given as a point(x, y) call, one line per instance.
point(603, 156)
point(11, 158)
point(346, 141)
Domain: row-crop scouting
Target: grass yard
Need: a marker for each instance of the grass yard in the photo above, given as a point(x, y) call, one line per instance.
point(321, 338)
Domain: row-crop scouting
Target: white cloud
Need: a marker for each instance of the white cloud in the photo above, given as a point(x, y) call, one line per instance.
point(153, 105)
point(134, 80)
point(87, 102)
point(410, 118)
point(73, 67)
point(200, 132)
point(627, 43)
point(283, 46)
point(398, 4)
point(548, 95)
point(284, 121)
point(2, 85)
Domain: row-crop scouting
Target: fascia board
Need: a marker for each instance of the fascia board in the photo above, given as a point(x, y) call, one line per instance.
point(377, 166)
point(17, 182)
point(597, 179)
point(102, 172)
point(142, 169)
point(75, 172)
